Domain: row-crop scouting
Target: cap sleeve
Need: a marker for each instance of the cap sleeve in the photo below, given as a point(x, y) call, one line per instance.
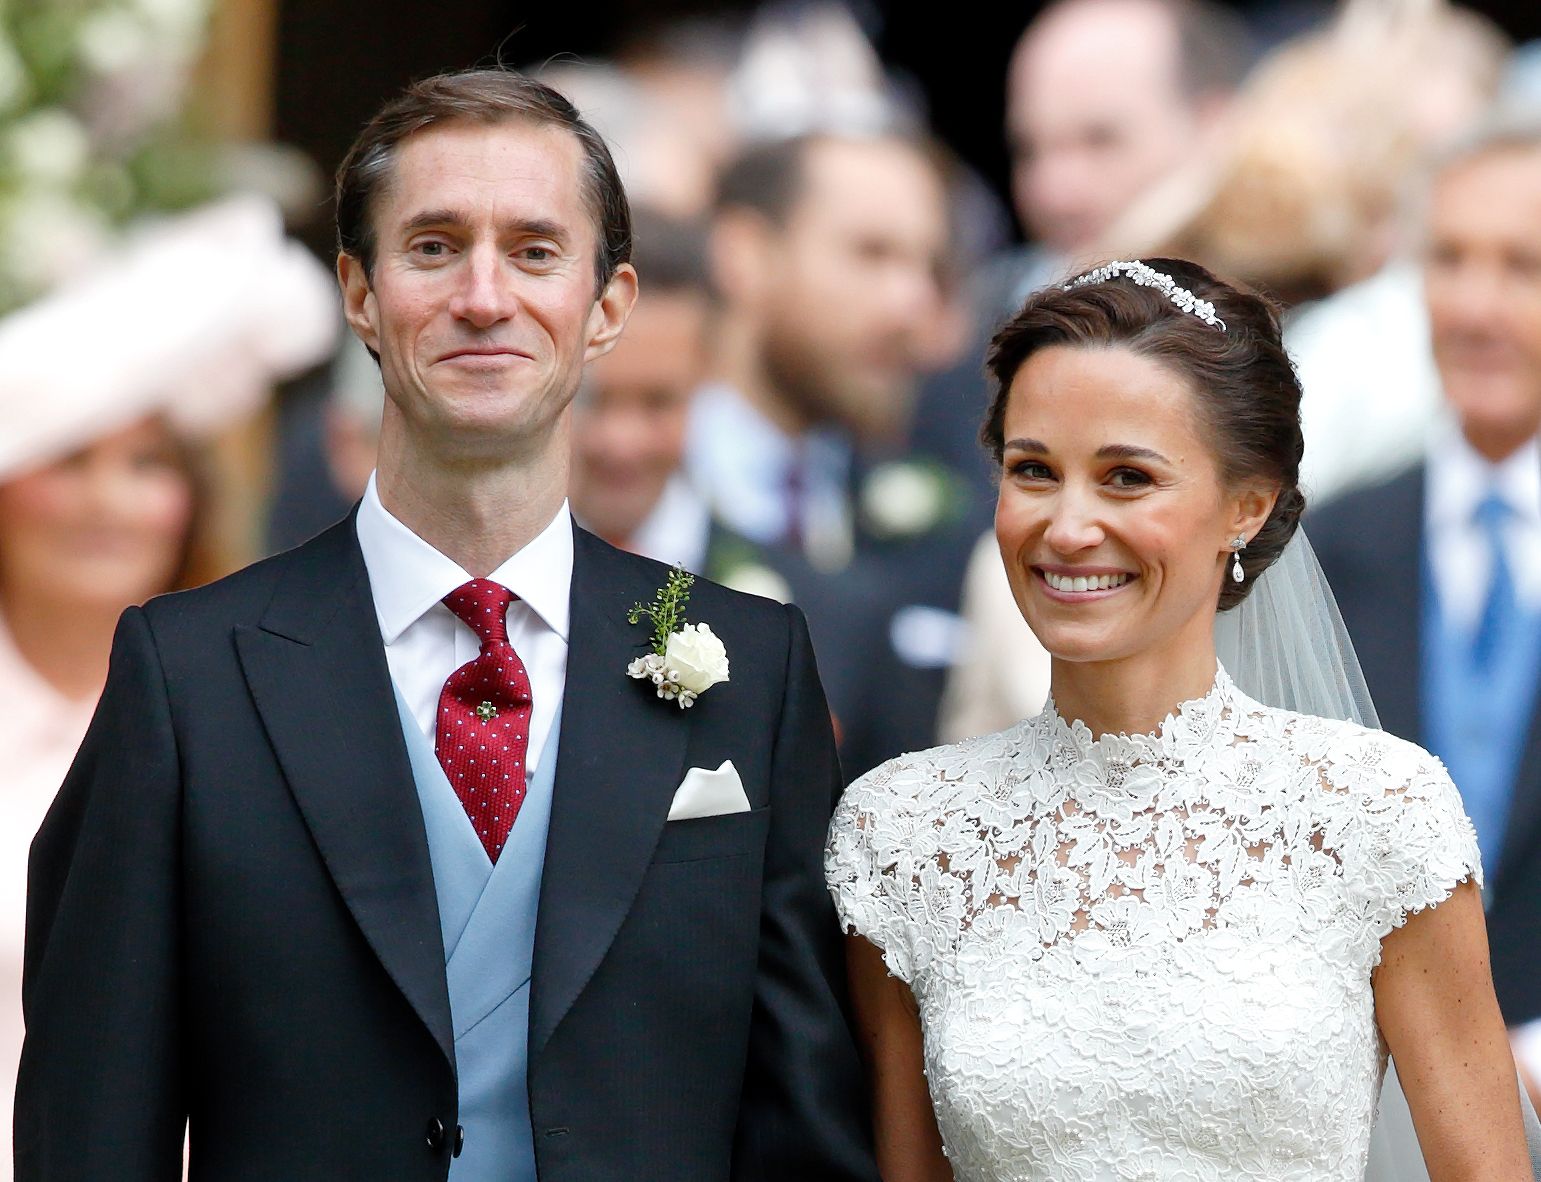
point(1410, 842)
point(868, 867)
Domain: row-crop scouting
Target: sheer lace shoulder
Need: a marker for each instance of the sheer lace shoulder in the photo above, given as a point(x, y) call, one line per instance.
point(1150, 950)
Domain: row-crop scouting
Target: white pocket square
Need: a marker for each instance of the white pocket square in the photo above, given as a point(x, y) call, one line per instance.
point(704, 793)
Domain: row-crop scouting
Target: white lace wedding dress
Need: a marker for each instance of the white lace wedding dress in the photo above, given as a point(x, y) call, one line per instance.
point(1150, 957)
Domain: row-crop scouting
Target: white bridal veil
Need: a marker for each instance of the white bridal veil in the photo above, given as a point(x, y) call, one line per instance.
point(1285, 645)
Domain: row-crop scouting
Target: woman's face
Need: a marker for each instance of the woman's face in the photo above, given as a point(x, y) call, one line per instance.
point(1112, 519)
point(104, 527)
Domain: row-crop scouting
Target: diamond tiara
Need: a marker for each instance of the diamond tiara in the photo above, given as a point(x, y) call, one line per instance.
point(1147, 277)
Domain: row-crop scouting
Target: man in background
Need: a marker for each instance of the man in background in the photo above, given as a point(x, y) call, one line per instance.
point(1106, 100)
point(826, 254)
point(632, 407)
point(1438, 570)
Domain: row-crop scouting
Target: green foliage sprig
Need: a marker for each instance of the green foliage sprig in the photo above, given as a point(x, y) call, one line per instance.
point(667, 611)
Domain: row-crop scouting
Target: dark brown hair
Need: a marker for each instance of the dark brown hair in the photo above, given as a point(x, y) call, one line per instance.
point(486, 97)
point(1247, 393)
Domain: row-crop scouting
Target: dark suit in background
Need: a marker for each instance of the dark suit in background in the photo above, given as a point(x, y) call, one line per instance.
point(1372, 546)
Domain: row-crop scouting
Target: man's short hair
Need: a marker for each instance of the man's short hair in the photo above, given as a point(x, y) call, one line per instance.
point(669, 253)
point(768, 176)
point(486, 97)
point(1507, 129)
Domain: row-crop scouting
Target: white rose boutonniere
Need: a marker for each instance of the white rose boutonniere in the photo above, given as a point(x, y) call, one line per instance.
point(687, 659)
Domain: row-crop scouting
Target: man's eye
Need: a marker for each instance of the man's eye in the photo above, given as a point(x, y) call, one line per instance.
point(432, 249)
point(539, 254)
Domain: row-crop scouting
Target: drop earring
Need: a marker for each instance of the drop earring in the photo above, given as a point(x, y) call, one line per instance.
point(1238, 544)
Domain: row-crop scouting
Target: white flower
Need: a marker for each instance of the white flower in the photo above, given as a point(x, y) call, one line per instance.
point(696, 659)
point(49, 147)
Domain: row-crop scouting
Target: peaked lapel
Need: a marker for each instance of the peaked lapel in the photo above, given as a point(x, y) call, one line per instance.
point(619, 759)
point(317, 672)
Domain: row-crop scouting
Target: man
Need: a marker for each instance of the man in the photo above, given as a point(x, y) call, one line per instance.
point(1438, 571)
point(826, 251)
point(1105, 101)
point(376, 864)
point(632, 407)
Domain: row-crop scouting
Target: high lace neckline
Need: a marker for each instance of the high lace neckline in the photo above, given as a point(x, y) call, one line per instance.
point(1197, 721)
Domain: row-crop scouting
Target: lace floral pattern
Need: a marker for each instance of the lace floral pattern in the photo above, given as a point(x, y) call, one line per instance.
point(1149, 957)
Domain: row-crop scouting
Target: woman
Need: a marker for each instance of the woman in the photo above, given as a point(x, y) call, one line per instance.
point(1160, 930)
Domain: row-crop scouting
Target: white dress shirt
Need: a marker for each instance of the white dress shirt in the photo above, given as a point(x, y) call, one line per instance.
point(678, 529)
point(1458, 479)
point(425, 642)
point(741, 462)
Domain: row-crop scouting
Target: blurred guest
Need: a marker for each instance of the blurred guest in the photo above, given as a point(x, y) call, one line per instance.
point(1438, 570)
point(1106, 101)
point(354, 404)
point(104, 491)
point(1334, 133)
point(826, 252)
point(630, 414)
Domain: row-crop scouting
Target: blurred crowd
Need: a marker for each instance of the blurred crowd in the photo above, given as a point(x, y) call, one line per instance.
point(794, 407)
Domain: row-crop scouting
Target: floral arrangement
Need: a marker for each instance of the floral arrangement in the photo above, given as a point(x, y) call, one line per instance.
point(91, 134)
point(687, 659)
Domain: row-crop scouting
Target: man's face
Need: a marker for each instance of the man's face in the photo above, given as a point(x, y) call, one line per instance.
point(481, 303)
point(1482, 278)
point(850, 285)
point(1095, 116)
point(629, 418)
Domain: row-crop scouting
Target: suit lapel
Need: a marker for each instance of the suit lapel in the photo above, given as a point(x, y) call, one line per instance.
point(317, 672)
point(1391, 584)
point(620, 757)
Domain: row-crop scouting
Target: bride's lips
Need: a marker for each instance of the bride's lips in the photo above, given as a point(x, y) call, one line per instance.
point(1081, 584)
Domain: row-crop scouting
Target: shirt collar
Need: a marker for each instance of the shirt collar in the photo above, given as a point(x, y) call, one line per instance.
point(1459, 477)
point(408, 576)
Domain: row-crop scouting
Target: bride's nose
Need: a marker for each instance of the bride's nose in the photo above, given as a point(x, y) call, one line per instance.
point(1074, 524)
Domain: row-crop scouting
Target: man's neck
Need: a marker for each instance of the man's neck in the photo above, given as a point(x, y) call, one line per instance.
point(477, 515)
point(737, 362)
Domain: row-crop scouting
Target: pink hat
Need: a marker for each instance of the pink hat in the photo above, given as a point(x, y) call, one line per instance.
point(195, 317)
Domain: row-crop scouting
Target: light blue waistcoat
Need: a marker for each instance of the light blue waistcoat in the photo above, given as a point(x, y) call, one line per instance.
point(488, 917)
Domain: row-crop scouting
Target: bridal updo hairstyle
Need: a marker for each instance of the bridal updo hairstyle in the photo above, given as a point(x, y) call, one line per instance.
point(1245, 386)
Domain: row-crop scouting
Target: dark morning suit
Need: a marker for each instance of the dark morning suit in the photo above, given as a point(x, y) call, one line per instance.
point(233, 914)
point(1371, 546)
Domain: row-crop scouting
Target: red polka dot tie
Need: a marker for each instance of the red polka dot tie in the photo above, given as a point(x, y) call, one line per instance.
point(484, 717)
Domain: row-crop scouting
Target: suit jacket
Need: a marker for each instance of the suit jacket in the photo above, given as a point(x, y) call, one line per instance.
point(1371, 546)
point(232, 914)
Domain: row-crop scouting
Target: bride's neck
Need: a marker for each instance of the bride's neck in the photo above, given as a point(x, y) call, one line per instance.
point(1131, 695)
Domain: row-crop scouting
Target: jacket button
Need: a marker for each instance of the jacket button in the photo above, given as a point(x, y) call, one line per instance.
point(436, 1134)
point(460, 1140)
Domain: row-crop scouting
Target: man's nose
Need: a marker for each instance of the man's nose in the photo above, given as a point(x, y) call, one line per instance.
point(483, 296)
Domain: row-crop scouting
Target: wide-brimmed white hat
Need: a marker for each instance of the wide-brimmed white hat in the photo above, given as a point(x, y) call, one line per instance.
point(194, 317)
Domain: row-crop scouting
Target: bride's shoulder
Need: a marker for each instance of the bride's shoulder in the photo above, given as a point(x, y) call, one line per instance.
point(1345, 754)
point(935, 775)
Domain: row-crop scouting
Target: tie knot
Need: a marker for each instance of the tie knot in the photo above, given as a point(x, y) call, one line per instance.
point(483, 606)
point(1491, 512)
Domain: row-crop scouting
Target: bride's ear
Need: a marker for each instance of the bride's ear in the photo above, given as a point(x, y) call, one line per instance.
point(1253, 503)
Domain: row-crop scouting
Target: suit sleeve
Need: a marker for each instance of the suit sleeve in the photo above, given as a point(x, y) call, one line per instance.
point(804, 1109)
point(100, 1090)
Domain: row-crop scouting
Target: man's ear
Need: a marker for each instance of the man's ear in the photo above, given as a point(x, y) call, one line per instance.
point(358, 301)
point(611, 311)
point(739, 252)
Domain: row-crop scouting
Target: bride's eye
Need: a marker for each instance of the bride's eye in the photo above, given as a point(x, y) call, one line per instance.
point(1128, 478)
point(1031, 470)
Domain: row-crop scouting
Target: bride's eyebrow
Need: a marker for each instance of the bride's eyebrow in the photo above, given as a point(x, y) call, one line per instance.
point(1130, 451)
point(1111, 451)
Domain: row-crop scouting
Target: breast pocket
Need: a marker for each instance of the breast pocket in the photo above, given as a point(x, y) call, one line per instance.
point(701, 839)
